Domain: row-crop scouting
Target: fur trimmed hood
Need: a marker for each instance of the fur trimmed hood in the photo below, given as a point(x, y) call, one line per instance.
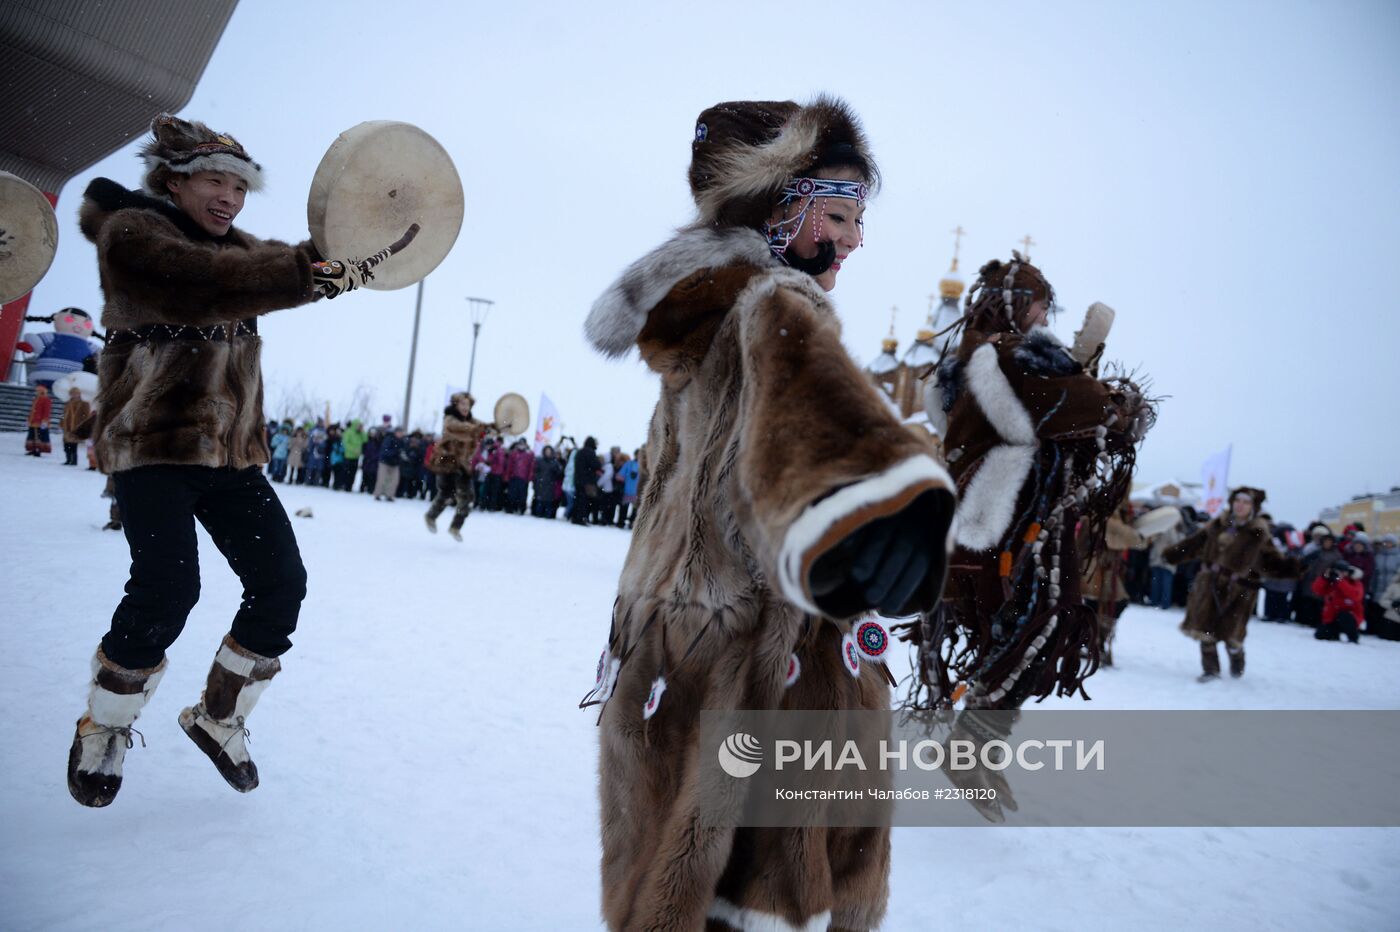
point(620, 313)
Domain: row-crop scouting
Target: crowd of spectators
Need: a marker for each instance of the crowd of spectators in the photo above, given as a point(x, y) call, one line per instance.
point(573, 481)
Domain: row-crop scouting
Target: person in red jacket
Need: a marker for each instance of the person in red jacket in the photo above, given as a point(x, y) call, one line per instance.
point(1342, 594)
point(40, 412)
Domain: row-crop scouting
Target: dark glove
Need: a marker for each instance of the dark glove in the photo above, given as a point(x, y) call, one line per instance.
point(882, 565)
point(334, 277)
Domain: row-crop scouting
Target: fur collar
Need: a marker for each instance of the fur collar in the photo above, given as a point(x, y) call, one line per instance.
point(620, 313)
point(1041, 353)
point(104, 197)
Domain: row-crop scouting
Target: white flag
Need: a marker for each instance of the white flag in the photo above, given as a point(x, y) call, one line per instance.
point(548, 429)
point(1215, 481)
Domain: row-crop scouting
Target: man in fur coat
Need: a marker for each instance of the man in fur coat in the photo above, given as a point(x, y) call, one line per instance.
point(784, 500)
point(451, 463)
point(1042, 452)
point(180, 429)
point(1236, 551)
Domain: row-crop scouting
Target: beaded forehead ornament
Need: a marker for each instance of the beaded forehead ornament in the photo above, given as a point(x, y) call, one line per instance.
point(782, 233)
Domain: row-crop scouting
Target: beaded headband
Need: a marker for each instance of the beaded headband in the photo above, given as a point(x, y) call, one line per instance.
point(826, 187)
point(781, 234)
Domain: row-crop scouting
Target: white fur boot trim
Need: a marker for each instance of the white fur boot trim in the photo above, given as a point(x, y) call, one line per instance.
point(754, 920)
point(105, 730)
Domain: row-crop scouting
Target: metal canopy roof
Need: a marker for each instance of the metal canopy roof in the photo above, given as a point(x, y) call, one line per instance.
point(80, 78)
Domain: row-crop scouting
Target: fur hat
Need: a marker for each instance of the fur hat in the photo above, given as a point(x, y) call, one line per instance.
point(458, 396)
point(1256, 494)
point(183, 147)
point(745, 152)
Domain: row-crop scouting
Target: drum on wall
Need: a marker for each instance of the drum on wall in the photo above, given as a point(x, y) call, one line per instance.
point(375, 181)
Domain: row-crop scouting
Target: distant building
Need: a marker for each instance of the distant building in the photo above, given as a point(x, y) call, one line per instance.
point(901, 377)
point(1379, 513)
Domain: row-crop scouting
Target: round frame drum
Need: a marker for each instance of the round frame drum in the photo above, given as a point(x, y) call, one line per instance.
point(28, 236)
point(376, 180)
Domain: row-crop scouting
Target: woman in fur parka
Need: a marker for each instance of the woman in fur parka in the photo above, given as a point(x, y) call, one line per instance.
point(784, 500)
point(1236, 551)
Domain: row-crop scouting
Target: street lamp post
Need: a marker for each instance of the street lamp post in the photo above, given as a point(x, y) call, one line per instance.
point(480, 307)
point(412, 355)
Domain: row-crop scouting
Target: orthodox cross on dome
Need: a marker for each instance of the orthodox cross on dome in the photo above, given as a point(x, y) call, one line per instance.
point(1026, 244)
point(894, 311)
point(958, 234)
point(933, 300)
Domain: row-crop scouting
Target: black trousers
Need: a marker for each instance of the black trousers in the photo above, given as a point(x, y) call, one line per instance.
point(159, 506)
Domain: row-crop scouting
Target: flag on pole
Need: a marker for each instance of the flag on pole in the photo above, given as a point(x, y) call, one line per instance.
point(1215, 481)
point(548, 429)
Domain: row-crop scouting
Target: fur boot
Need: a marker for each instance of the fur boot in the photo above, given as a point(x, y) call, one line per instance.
point(115, 699)
point(217, 723)
point(455, 529)
point(1210, 662)
point(1236, 660)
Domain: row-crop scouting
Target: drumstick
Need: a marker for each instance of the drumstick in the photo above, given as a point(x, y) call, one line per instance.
point(368, 265)
point(404, 240)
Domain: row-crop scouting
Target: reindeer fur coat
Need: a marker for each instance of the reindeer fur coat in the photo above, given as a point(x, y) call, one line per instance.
point(1234, 557)
point(767, 448)
point(188, 391)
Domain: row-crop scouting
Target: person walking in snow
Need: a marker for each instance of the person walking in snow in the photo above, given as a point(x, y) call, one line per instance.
point(1236, 552)
point(179, 428)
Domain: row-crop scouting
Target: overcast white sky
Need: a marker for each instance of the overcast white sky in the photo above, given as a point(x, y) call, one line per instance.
point(1223, 174)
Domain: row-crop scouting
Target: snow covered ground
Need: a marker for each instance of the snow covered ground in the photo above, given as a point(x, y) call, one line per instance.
point(424, 764)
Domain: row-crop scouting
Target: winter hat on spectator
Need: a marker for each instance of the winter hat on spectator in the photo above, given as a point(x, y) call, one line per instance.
point(1361, 537)
point(183, 147)
point(1390, 539)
